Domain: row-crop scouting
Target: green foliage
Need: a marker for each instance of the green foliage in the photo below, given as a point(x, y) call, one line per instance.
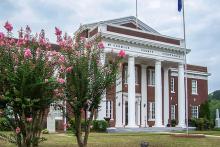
point(173, 123)
point(216, 95)
point(4, 124)
point(86, 82)
point(99, 125)
point(12, 138)
point(213, 105)
point(204, 111)
point(45, 131)
point(203, 124)
point(27, 84)
point(72, 126)
point(192, 122)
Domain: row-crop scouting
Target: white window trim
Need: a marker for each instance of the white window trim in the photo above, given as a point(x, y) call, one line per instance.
point(196, 109)
point(151, 111)
point(196, 87)
point(150, 78)
point(173, 107)
point(172, 85)
point(109, 109)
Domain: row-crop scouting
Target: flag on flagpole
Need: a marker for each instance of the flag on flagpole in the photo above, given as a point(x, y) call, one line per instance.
point(180, 5)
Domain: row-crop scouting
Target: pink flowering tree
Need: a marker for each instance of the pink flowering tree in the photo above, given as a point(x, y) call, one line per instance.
point(27, 83)
point(88, 75)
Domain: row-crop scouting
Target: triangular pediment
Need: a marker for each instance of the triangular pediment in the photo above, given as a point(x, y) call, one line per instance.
point(129, 22)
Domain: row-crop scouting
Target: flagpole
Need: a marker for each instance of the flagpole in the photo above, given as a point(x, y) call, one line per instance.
point(136, 14)
point(185, 64)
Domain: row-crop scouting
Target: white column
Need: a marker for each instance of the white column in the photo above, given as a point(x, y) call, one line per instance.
point(181, 97)
point(158, 95)
point(131, 92)
point(166, 96)
point(102, 109)
point(118, 104)
point(138, 112)
point(144, 96)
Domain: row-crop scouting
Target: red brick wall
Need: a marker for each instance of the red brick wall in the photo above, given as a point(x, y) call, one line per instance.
point(199, 99)
point(142, 35)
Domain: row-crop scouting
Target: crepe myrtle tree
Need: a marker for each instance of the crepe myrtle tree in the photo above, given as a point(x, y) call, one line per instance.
point(87, 77)
point(27, 83)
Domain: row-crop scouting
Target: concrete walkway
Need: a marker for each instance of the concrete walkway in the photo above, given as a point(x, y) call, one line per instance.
point(149, 129)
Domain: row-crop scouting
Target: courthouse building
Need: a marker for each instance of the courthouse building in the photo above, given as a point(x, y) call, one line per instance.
point(149, 91)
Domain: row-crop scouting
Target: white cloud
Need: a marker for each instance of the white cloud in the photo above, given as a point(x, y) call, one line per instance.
point(202, 21)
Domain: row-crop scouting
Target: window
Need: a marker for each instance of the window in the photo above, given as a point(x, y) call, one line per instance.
point(152, 111)
point(151, 77)
point(172, 85)
point(125, 74)
point(109, 109)
point(194, 87)
point(136, 75)
point(195, 112)
point(173, 114)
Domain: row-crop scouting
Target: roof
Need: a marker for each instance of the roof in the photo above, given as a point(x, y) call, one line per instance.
point(124, 20)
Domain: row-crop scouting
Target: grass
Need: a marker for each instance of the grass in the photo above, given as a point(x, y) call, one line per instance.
point(125, 140)
point(211, 132)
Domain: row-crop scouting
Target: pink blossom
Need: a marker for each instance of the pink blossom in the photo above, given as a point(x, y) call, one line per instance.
point(42, 41)
point(2, 35)
point(87, 45)
point(61, 59)
point(54, 53)
point(121, 54)
point(76, 45)
point(29, 119)
point(60, 80)
point(18, 130)
point(27, 53)
point(69, 69)
point(20, 42)
point(58, 32)
point(8, 26)
point(100, 45)
point(82, 38)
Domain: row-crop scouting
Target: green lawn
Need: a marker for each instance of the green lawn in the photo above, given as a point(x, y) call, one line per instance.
point(216, 133)
point(126, 140)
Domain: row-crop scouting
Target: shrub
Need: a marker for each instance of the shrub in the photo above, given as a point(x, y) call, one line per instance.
point(45, 131)
point(192, 122)
point(100, 125)
point(204, 111)
point(173, 123)
point(73, 127)
point(203, 124)
point(4, 124)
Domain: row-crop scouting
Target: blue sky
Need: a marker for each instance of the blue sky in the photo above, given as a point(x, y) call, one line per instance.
point(202, 21)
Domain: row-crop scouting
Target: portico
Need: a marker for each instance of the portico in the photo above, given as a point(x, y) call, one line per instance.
point(137, 103)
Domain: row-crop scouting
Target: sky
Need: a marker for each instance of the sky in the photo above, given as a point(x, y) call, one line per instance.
point(202, 22)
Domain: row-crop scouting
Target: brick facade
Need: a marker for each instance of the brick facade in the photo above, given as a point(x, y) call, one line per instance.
point(193, 100)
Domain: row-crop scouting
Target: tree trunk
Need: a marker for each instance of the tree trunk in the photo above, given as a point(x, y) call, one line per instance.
point(78, 130)
point(87, 131)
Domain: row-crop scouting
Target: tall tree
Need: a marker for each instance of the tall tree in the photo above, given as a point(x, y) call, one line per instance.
point(27, 85)
point(89, 73)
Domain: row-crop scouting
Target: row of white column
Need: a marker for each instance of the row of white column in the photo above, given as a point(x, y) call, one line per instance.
point(158, 96)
